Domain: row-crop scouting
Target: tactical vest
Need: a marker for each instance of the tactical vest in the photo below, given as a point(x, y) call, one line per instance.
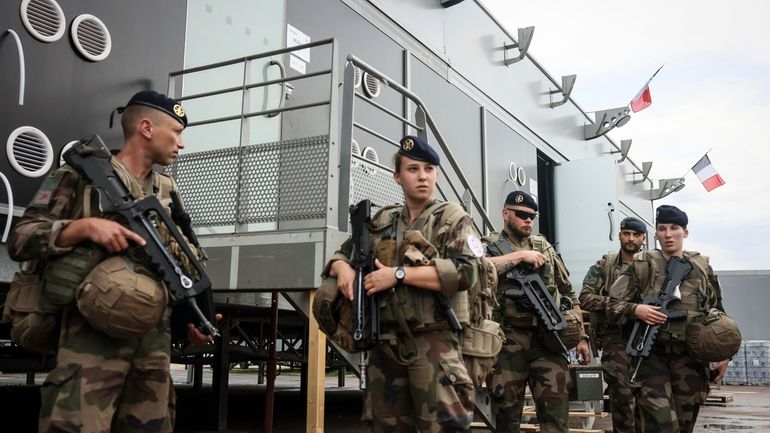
point(63, 274)
point(514, 314)
point(650, 269)
point(427, 237)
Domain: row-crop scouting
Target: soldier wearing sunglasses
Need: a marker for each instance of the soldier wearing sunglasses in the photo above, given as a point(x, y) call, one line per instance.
point(527, 357)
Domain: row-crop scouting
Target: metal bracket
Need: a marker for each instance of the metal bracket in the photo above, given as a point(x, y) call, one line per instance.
point(567, 83)
point(525, 38)
point(606, 120)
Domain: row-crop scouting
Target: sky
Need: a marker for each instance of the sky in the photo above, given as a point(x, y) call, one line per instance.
point(712, 95)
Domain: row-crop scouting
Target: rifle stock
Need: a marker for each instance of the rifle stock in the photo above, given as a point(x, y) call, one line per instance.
point(643, 335)
point(91, 158)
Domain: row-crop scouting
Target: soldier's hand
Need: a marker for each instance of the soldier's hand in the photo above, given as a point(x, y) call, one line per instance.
point(721, 367)
point(650, 314)
point(113, 236)
point(346, 276)
point(109, 234)
point(583, 352)
point(381, 279)
point(198, 338)
point(534, 258)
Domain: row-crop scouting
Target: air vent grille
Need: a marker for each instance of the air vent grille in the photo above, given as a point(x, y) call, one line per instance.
point(371, 85)
point(43, 19)
point(91, 37)
point(29, 151)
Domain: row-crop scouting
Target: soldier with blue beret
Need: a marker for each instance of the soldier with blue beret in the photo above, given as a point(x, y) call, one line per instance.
point(158, 101)
point(128, 368)
point(530, 355)
point(418, 149)
point(521, 198)
point(673, 381)
point(667, 214)
point(606, 336)
point(633, 223)
point(415, 377)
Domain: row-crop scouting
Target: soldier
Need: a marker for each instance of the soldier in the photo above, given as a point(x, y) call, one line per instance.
point(104, 382)
point(526, 357)
point(671, 377)
point(416, 379)
point(606, 336)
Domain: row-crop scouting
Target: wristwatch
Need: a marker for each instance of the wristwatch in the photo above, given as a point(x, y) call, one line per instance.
point(400, 275)
point(585, 338)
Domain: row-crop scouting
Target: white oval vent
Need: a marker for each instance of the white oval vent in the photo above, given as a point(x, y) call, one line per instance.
point(29, 151)
point(356, 77)
point(91, 37)
point(370, 154)
point(371, 85)
point(355, 149)
point(43, 19)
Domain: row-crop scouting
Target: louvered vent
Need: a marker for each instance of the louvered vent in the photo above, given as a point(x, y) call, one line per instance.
point(356, 77)
point(91, 37)
point(371, 86)
point(43, 19)
point(370, 154)
point(29, 151)
point(355, 149)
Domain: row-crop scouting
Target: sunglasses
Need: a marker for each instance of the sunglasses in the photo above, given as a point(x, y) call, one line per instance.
point(523, 215)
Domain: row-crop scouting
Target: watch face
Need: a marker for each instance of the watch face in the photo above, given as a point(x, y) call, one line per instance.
point(400, 274)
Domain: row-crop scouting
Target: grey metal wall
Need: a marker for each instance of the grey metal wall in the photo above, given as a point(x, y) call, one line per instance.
point(747, 299)
point(68, 97)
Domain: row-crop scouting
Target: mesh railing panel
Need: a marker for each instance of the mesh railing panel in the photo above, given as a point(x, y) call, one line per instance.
point(373, 182)
point(279, 181)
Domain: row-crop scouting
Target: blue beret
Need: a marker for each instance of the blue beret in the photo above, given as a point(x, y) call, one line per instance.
point(666, 214)
point(158, 101)
point(521, 198)
point(634, 224)
point(418, 149)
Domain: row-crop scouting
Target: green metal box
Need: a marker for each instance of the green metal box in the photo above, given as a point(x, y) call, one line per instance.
point(587, 383)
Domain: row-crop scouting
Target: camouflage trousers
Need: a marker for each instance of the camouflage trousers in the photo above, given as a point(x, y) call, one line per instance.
point(622, 395)
point(104, 384)
point(525, 360)
point(430, 393)
point(673, 388)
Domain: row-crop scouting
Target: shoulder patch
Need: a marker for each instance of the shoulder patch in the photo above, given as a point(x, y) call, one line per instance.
point(474, 244)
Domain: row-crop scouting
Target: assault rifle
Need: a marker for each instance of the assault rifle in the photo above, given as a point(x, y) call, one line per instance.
point(91, 159)
point(531, 293)
point(643, 335)
point(366, 309)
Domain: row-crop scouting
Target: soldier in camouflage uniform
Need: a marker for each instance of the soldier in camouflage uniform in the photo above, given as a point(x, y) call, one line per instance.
point(102, 383)
point(606, 336)
point(416, 379)
point(525, 358)
point(670, 377)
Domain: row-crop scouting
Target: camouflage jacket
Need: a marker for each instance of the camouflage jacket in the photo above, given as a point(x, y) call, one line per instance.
point(553, 272)
point(595, 294)
point(62, 198)
point(644, 277)
point(455, 256)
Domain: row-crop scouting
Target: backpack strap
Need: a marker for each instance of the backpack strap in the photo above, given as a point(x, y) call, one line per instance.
point(609, 264)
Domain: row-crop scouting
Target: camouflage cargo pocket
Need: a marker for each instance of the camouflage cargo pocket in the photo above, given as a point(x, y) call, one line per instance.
point(34, 324)
point(61, 388)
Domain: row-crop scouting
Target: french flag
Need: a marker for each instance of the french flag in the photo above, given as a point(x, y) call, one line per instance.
point(707, 174)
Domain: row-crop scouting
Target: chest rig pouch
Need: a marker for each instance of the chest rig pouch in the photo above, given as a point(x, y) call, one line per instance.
point(416, 245)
